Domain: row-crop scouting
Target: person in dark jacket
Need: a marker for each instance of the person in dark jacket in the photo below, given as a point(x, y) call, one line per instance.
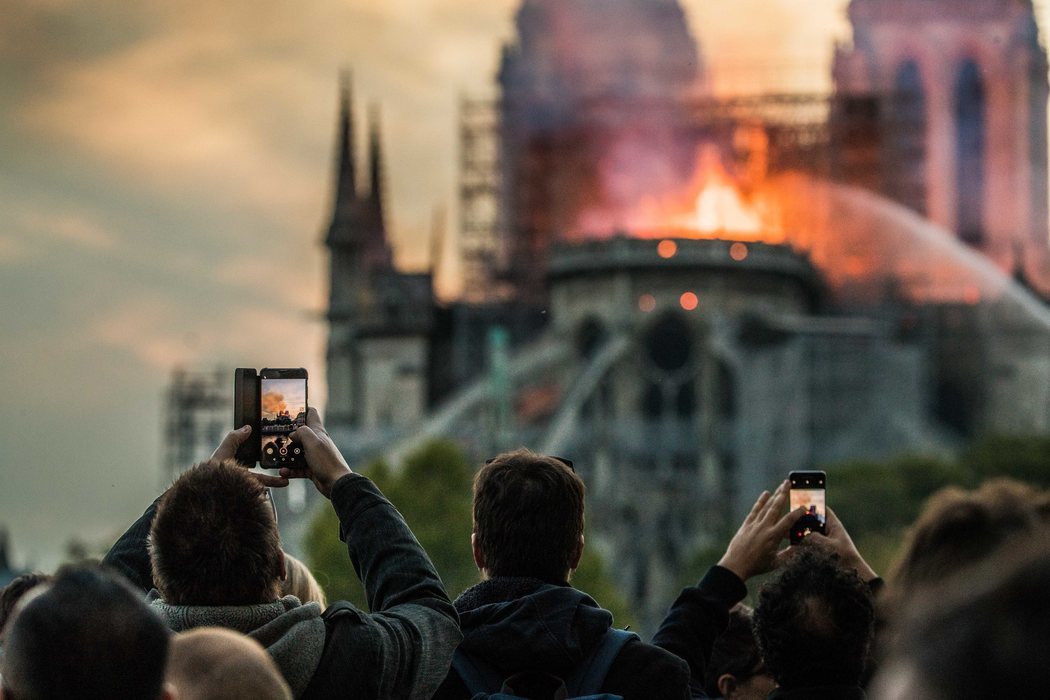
point(525, 617)
point(701, 612)
point(214, 559)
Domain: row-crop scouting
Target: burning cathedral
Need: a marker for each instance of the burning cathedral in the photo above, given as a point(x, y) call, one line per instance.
point(690, 295)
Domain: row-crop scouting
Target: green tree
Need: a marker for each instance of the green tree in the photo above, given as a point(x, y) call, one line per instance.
point(433, 492)
point(1018, 457)
point(592, 577)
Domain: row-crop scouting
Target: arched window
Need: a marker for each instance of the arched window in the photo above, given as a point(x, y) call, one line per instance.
point(970, 153)
point(905, 169)
point(668, 343)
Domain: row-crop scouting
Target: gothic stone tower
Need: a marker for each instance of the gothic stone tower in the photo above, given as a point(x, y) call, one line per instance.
point(592, 120)
point(379, 318)
point(955, 96)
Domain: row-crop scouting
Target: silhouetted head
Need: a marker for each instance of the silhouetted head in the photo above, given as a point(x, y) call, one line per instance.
point(214, 539)
point(13, 592)
point(86, 635)
point(735, 670)
point(984, 635)
point(211, 663)
point(528, 517)
point(814, 622)
point(958, 528)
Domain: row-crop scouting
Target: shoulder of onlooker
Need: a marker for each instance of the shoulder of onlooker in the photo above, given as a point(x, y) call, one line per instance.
point(643, 670)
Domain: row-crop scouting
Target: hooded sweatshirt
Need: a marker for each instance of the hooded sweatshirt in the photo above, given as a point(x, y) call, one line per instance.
point(523, 624)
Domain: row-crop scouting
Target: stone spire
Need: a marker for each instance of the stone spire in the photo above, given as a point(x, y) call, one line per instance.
point(375, 164)
point(346, 200)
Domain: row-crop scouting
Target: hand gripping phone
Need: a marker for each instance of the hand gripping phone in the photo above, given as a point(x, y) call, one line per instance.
point(808, 490)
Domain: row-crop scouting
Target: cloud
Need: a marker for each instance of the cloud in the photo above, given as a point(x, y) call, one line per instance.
point(154, 119)
point(12, 250)
point(70, 227)
point(162, 333)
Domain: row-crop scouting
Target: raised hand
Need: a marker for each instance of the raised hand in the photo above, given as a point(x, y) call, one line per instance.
point(324, 463)
point(227, 449)
point(754, 548)
point(839, 542)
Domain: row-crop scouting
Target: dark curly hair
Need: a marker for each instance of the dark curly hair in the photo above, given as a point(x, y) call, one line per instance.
point(814, 622)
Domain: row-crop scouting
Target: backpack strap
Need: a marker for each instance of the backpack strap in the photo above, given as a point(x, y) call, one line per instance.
point(478, 676)
point(590, 675)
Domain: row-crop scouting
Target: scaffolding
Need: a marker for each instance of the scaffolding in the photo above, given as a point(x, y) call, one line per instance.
point(479, 187)
point(197, 414)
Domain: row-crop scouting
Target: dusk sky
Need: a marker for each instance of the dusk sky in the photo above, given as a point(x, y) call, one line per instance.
point(165, 180)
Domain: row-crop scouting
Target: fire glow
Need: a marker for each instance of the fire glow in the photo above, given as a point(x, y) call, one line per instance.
point(863, 246)
point(713, 205)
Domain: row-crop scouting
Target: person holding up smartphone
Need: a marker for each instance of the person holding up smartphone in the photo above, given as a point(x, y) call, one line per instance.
point(215, 559)
point(701, 612)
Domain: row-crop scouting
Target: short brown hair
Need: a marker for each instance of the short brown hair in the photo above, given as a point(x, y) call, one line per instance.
point(214, 539)
point(528, 515)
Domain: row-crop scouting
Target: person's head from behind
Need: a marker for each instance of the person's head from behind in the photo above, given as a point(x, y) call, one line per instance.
point(528, 517)
point(960, 528)
point(735, 670)
point(814, 622)
point(14, 591)
point(980, 635)
point(211, 663)
point(86, 635)
point(214, 539)
point(301, 583)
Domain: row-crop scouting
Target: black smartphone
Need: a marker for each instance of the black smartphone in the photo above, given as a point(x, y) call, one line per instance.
point(808, 490)
point(246, 412)
point(282, 410)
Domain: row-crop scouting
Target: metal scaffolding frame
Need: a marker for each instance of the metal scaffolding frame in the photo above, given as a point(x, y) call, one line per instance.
point(196, 417)
point(479, 197)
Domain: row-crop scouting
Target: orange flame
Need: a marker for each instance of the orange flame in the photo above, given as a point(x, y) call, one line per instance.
point(712, 205)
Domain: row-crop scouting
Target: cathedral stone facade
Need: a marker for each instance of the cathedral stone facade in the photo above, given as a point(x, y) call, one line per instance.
point(957, 91)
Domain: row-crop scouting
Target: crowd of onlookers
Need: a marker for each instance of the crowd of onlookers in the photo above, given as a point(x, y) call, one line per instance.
point(198, 600)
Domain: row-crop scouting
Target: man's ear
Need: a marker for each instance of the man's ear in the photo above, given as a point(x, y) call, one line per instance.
point(577, 555)
point(479, 556)
point(169, 692)
point(726, 684)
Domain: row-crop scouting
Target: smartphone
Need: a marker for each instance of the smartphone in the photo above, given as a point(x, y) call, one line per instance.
point(808, 490)
point(282, 410)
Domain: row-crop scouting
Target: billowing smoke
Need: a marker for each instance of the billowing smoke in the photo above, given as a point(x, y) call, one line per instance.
point(273, 402)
